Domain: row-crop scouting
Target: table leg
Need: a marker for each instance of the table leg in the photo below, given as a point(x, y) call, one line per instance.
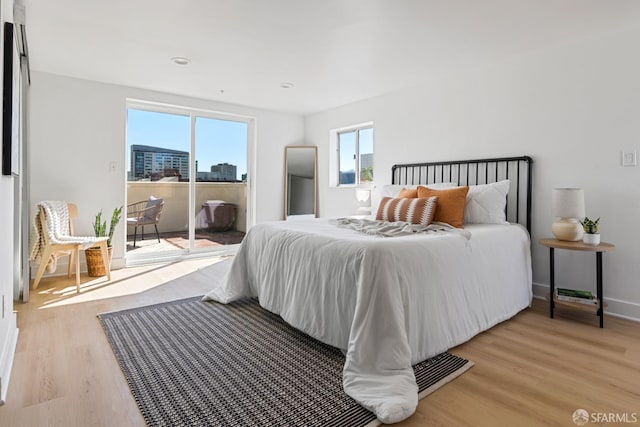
point(552, 282)
point(599, 287)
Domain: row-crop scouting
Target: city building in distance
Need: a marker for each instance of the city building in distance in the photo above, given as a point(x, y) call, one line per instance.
point(222, 172)
point(155, 163)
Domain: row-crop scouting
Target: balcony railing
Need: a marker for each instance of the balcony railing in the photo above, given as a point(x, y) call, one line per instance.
point(175, 214)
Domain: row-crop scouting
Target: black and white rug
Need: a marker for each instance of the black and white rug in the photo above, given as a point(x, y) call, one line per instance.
point(194, 363)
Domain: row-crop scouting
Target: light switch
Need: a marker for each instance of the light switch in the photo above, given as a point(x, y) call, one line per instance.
point(629, 158)
point(113, 166)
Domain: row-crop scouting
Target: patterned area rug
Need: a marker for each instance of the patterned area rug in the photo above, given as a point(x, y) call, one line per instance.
point(194, 363)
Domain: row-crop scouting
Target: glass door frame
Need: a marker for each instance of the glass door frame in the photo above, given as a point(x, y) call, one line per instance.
point(193, 114)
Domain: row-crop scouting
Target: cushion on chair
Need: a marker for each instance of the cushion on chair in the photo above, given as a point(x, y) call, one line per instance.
point(151, 214)
point(154, 201)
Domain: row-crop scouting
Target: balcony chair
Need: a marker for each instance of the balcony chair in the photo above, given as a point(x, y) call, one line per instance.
point(146, 212)
point(53, 238)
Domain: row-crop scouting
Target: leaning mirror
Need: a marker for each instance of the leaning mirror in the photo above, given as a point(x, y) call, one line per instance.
point(300, 168)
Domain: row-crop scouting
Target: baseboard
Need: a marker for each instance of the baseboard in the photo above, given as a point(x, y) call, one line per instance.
point(63, 266)
point(6, 358)
point(618, 308)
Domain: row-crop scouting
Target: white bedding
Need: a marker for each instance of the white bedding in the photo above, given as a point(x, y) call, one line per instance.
point(388, 302)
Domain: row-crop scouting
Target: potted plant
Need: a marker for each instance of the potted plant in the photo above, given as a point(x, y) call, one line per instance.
point(591, 235)
point(95, 265)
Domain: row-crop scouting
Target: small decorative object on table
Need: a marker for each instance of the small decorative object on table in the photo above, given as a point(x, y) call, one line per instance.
point(567, 205)
point(95, 266)
point(363, 195)
point(591, 235)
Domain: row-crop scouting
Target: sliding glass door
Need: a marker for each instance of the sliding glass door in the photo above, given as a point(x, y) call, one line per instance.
point(221, 182)
point(186, 182)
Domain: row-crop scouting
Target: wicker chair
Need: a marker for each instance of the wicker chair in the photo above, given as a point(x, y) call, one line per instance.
point(146, 212)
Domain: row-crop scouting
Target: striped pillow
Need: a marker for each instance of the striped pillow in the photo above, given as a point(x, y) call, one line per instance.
point(415, 211)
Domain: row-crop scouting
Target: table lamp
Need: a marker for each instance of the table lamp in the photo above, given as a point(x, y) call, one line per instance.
point(363, 196)
point(567, 205)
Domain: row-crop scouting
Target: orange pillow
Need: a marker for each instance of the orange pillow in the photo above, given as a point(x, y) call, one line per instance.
point(415, 211)
point(406, 193)
point(450, 208)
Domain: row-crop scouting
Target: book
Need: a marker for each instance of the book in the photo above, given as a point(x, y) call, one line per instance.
point(574, 293)
point(579, 300)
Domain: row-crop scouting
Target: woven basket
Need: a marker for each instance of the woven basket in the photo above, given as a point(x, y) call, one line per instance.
point(95, 266)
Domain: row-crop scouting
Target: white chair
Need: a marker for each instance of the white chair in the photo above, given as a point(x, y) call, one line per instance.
point(63, 245)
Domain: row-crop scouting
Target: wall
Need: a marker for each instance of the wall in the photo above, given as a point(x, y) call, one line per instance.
point(573, 108)
point(78, 127)
point(8, 329)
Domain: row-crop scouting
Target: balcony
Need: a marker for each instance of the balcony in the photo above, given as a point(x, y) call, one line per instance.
point(174, 221)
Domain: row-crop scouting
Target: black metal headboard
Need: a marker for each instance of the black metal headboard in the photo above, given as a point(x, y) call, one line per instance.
point(481, 171)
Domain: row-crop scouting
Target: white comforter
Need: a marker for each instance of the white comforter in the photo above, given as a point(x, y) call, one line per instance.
point(388, 302)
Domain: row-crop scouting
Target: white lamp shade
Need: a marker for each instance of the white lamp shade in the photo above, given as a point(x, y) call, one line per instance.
point(362, 195)
point(567, 202)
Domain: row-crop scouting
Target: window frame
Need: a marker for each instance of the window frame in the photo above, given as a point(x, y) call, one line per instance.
point(335, 175)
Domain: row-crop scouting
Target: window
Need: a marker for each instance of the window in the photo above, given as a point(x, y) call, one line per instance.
point(355, 156)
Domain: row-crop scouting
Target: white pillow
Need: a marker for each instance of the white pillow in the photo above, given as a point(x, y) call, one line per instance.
point(485, 203)
point(392, 190)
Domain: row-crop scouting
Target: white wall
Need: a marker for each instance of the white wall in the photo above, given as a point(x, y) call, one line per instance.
point(78, 127)
point(572, 108)
point(8, 329)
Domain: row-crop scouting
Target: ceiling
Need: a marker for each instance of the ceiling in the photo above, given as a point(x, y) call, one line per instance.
point(334, 51)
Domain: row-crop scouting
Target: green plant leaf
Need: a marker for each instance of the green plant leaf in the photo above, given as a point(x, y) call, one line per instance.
point(100, 226)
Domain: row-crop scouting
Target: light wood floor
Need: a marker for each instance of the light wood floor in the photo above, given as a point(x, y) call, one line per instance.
point(529, 371)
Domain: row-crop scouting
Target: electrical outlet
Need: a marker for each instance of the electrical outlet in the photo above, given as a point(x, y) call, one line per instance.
point(629, 158)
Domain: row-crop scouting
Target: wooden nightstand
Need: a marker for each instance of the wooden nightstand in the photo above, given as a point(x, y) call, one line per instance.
point(553, 244)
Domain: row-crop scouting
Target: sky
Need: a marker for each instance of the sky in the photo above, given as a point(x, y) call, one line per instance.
point(217, 141)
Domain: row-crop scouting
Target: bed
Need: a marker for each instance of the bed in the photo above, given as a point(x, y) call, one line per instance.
point(389, 303)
